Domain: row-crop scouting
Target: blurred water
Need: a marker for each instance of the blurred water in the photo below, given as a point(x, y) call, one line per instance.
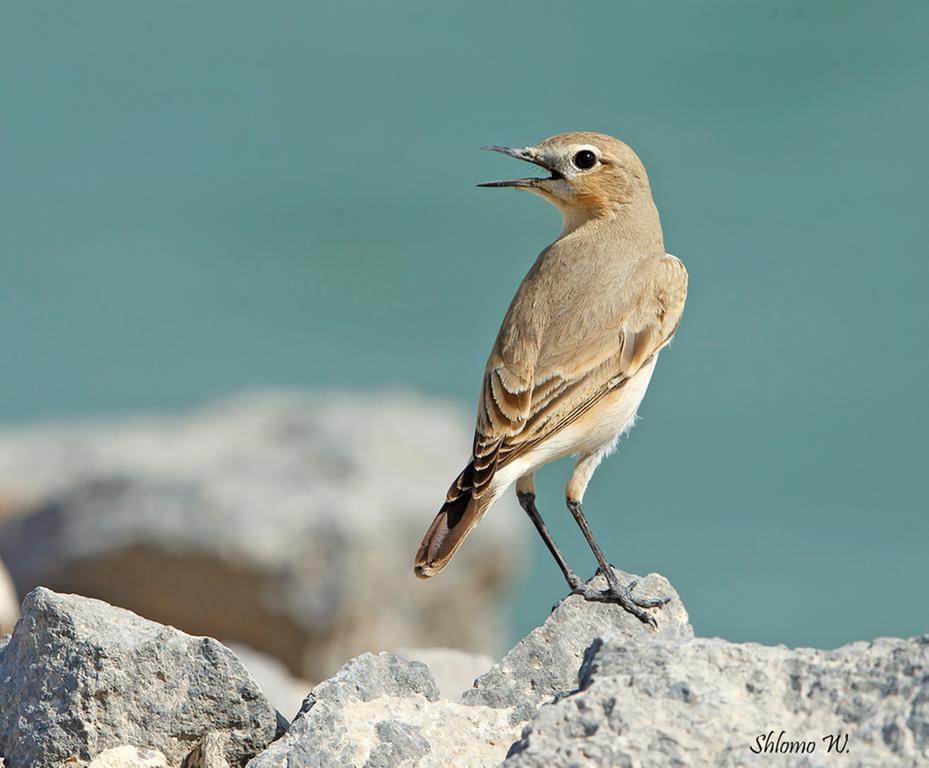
point(200, 198)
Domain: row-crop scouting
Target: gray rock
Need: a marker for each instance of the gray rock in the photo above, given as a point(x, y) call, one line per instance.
point(398, 744)
point(217, 521)
point(372, 675)
point(386, 711)
point(593, 687)
point(9, 604)
point(80, 676)
point(454, 671)
point(547, 661)
point(381, 710)
point(322, 734)
point(678, 702)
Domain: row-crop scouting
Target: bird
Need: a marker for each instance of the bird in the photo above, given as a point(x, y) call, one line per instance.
point(575, 352)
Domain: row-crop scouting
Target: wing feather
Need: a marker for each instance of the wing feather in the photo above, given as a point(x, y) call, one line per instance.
point(524, 401)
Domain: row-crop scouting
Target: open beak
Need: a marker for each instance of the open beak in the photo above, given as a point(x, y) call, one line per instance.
point(529, 156)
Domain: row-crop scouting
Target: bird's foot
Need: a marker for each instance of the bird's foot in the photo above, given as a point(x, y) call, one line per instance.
point(623, 596)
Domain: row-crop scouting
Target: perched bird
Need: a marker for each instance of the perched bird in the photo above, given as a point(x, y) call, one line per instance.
point(576, 349)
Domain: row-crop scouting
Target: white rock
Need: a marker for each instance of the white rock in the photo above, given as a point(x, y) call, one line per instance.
point(129, 757)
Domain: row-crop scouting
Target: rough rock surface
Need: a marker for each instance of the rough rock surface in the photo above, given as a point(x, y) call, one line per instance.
point(545, 663)
point(697, 702)
point(129, 757)
point(386, 711)
point(592, 687)
point(80, 676)
point(209, 753)
point(382, 711)
point(9, 605)
point(217, 521)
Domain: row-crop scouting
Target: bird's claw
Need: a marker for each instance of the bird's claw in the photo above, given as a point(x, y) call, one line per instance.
point(624, 598)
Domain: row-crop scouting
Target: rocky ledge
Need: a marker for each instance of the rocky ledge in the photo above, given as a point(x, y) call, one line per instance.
point(82, 682)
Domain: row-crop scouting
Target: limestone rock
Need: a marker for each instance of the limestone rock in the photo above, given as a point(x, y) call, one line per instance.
point(79, 677)
point(382, 711)
point(547, 661)
point(678, 702)
point(129, 757)
point(285, 522)
point(386, 711)
point(593, 687)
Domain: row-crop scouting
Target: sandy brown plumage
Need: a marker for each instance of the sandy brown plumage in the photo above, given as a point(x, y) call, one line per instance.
point(591, 315)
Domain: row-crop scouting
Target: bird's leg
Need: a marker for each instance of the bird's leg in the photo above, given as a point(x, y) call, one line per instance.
point(525, 492)
point(614, 593)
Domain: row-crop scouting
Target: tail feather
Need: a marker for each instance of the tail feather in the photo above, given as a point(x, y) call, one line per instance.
point(458, 515)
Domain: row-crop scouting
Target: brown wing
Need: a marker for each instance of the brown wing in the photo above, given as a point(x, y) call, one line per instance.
point(539, 379)
point(520, 408)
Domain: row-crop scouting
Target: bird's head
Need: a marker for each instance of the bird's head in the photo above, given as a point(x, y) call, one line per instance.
point(591, 175)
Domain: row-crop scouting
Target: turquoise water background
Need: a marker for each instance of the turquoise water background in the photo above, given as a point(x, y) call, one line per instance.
point(198, 198)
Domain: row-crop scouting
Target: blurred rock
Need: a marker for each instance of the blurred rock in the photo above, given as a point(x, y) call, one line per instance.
point(9, 603)
point(453, 670)
point(10, 506)
point(283, 690)
point(285, 522)
point(129, 757)
point(80, 676)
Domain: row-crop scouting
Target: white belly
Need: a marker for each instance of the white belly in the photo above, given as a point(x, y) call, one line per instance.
point(596, 431)
point(602, 426)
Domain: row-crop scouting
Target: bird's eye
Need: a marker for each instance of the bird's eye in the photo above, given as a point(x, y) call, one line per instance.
point(585, 159)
